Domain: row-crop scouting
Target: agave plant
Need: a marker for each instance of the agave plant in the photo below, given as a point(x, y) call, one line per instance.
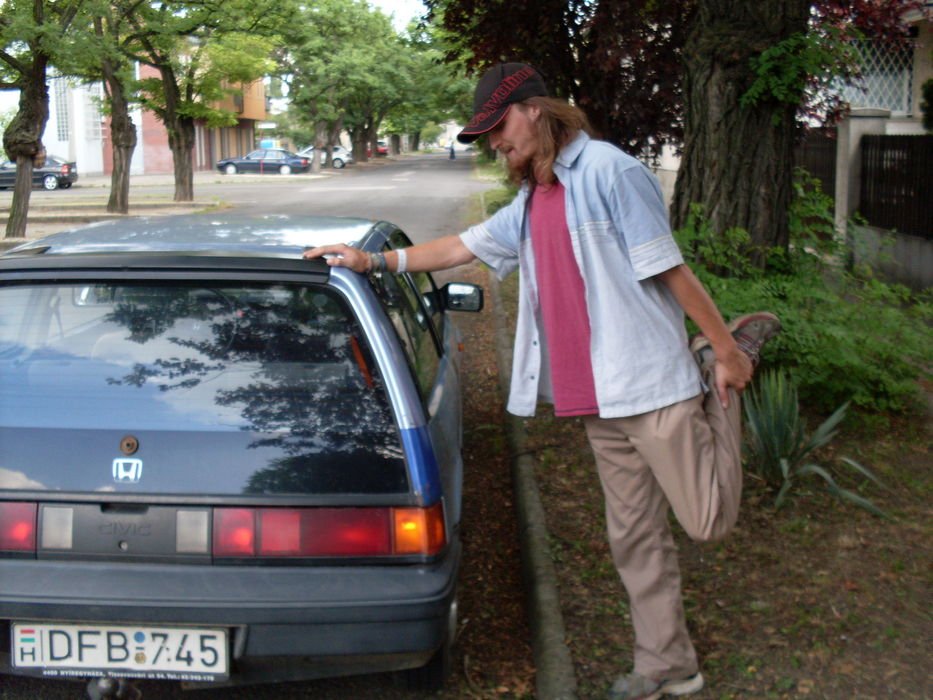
point(779, 449)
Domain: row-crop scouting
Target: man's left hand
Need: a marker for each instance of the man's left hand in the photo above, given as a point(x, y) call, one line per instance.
point(732, 371)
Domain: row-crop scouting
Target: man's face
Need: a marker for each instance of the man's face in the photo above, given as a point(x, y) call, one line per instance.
point(516, 137)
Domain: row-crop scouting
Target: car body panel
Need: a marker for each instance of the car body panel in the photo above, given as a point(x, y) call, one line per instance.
point(314, 617)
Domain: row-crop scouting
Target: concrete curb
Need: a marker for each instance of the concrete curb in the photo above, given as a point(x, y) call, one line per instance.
point(555, 677)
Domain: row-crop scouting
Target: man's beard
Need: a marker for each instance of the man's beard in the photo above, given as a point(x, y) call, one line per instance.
point(519, 172)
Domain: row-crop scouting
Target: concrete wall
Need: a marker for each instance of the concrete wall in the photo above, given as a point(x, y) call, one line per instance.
point(923, 64)
point(849, 160)
point(899, 257)
point(79, 110)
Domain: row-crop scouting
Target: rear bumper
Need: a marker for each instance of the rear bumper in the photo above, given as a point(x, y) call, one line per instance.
point(299, 622)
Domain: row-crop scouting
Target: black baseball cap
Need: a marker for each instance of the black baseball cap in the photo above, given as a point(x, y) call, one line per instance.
point(502, 85)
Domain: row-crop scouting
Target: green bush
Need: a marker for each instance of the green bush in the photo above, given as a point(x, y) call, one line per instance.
point(846, 337)
point(778, 449)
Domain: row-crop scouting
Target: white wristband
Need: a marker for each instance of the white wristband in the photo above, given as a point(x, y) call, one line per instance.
point(402, 263)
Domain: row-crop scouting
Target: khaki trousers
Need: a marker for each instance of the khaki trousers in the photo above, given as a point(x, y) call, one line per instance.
point(687, 456)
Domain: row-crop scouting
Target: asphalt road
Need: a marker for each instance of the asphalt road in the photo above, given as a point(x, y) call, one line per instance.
point(426, 195)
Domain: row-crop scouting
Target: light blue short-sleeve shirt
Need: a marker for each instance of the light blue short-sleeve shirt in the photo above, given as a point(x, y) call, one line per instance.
point(621, 239)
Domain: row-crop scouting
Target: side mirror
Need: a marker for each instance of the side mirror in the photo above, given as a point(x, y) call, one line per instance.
point(458, 296)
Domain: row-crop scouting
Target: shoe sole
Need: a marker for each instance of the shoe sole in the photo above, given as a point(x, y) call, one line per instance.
point(687, 686)
point(739, 323)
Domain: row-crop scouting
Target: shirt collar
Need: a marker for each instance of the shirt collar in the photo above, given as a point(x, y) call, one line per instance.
point(569, 153)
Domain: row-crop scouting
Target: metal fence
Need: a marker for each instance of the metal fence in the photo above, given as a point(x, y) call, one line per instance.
point(897, 183)
point(817, 154)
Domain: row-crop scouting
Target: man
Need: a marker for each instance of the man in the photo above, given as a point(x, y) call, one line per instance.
point(600, 334)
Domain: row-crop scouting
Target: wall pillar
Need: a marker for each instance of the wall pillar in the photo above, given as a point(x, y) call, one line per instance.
point(849, 160)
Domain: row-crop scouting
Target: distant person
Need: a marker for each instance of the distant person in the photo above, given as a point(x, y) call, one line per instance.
point(600, 334)
point(452, 152)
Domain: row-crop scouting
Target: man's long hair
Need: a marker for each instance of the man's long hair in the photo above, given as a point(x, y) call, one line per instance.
point(557, 126)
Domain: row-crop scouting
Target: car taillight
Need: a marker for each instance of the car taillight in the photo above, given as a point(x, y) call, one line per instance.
point(66, 169)
point(18, 526)
point(234, 532)
point(304, 162)
point(328, 532)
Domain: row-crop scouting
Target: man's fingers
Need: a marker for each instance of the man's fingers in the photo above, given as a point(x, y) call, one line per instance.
point(723, 390)
point(311, 253)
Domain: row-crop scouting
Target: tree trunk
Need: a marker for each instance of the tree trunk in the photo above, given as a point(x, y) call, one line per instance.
point(181, 142)
point(737, 161)
point(19, 206)
point(320, 140)
point(358, 139)
point(181, 135)
point(22, 140)
point(122, 132)
point(123, 138)
point(415, 141)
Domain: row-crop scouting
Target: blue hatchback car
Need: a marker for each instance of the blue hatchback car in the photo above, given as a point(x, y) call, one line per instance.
point(223, 464)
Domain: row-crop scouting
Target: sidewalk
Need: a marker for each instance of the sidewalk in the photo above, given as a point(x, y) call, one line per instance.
point(68, 209)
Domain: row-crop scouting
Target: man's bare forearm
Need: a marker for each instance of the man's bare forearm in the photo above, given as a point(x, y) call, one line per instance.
point(439, 254)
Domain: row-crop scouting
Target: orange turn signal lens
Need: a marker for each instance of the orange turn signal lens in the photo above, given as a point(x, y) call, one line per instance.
point(419, 530)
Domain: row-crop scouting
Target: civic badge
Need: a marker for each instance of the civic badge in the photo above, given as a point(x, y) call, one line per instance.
point(127, 471)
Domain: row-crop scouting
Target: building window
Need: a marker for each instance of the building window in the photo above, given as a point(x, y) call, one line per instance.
point(92, 102)
point(885, 82)
point(61, 110)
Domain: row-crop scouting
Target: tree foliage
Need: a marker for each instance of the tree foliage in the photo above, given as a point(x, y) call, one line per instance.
point(201, 51)
point(347, 68)
point(724, 79)
point(620, 60)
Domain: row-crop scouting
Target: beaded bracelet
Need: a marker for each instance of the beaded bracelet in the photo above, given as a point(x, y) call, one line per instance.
point(377, 262)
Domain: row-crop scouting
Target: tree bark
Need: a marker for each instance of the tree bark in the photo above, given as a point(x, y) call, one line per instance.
point(181, 135)
point(19, 206)
point(22, 140)
point(320, 139)
point(181, 142)
point(123, 138)
point(737, 161)
point(122, 134)
point(358, 139)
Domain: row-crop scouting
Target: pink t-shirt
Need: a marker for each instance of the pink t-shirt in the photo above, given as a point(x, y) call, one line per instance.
point(563, 304)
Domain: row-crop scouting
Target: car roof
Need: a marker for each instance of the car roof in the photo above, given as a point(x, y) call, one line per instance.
point(217, 233)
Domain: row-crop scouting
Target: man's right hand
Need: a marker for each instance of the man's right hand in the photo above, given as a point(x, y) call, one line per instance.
point(341, 255)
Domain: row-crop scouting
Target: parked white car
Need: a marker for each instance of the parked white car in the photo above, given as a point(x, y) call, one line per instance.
point(340, 156)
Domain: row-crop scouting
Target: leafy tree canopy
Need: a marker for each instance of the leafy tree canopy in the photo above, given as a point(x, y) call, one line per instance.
point(622, 60)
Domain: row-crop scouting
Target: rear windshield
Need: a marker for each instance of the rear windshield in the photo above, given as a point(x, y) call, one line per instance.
point(247, 389)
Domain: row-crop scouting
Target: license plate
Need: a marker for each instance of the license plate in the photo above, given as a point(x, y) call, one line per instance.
point(170, 653)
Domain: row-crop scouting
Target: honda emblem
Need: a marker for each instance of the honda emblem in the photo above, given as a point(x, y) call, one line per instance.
point(127, 471)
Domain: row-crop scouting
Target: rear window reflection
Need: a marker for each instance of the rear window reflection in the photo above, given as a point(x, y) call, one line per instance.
point(276, 381)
